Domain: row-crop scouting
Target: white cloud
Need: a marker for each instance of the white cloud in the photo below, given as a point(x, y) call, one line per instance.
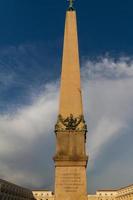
point(108, 109)
point(108, 104)
point(101, 134)
point(20, 130)
point(109, 68)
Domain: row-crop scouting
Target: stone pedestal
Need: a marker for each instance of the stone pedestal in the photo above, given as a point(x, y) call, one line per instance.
point(70, 183)
point(70, 166)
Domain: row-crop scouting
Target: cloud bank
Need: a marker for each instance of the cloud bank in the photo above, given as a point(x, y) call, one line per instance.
point(27, 135)
point(21, 135)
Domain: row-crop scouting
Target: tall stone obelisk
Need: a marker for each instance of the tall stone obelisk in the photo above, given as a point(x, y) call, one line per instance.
point(70, 158)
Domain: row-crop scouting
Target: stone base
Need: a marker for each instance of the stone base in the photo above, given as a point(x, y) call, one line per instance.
point(70, 183)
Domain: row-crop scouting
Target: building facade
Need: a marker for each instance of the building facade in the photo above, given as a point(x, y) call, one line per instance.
point(103, 195)
point(43, 195)
point(10, 191)
point(125, 193)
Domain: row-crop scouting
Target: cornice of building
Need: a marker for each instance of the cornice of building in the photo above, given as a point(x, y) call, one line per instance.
point(124, 187)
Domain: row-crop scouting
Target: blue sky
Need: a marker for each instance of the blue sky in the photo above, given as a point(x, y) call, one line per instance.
point(31, 38)
point(103, 25)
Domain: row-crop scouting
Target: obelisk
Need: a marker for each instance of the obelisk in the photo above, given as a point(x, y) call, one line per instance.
point(70, 158)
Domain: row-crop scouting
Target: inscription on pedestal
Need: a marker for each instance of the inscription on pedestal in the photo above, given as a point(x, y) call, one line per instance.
point(70, 182)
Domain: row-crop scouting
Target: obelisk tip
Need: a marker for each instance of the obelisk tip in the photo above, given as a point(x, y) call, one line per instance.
point(70, 8)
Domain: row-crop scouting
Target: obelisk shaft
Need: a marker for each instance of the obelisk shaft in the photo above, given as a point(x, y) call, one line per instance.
point(70, 93)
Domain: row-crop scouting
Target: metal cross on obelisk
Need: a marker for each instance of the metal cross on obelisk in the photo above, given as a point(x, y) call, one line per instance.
point(71, 4)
